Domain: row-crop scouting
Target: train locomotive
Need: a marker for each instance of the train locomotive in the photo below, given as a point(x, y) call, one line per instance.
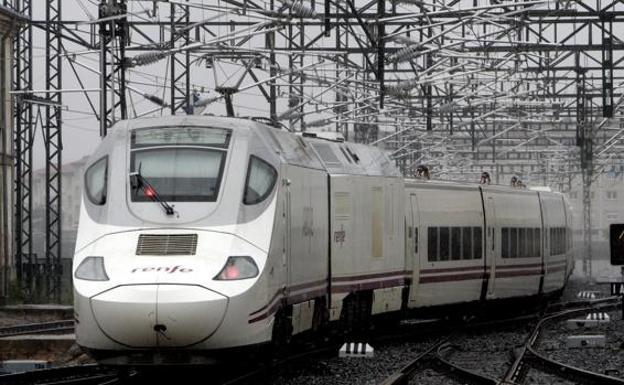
point(201, 235)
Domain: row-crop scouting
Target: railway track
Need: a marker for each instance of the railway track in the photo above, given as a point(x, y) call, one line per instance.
point(436, 356)
point(527, 356)
point(54, 327)
point(91, 374)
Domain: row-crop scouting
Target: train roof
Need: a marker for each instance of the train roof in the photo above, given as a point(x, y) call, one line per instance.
point(334, 156)
point(313, 151)
point(460, 185)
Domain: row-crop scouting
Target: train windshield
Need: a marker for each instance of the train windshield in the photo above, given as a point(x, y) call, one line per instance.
point(182, 164)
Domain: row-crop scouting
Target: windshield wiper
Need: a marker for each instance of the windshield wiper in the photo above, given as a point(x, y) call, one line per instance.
point(138, 181)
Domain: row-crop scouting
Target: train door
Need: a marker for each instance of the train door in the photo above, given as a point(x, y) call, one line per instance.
point(490, 246)
point(412, 252)
point(542, 244)
point(286, 216)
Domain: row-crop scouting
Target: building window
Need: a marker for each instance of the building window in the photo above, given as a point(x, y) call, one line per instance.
point(611, 194)
point(611, 216)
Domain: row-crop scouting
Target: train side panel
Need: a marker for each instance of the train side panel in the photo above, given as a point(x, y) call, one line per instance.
point(516, 266)
point(306, 241)
point(450, 244)
point(367, 235)
point(569, 242)
point(555, 245)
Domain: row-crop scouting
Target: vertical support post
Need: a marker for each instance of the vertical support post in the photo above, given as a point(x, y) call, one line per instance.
point(53, 148)
point(180, 62)
point(23, 140)
point(607, 64)
point(584, 141)
point(381, 50)
point(270, 45)
point(112, 63)
point(342, 42)
point(296, 42)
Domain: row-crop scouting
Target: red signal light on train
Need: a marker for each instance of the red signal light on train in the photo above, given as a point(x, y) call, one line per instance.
point(149, 192)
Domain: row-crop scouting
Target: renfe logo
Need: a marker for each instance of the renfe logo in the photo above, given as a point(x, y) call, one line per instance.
point(166, 269)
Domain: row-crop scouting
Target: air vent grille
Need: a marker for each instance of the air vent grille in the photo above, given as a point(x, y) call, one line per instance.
point(167, 244)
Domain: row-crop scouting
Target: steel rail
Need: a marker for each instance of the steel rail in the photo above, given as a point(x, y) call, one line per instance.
point(79, 374)
point(403, 375)
point(462, 374)
point(434, 358)
point(527, 357)
point(38, 328)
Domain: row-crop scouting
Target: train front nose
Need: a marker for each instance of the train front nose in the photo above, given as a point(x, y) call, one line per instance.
point(165, 315)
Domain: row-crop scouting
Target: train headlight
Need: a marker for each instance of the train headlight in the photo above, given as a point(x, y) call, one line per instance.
point(242, 267)
point(91, 269)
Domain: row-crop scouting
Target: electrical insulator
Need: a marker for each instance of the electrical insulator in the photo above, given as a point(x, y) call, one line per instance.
point(155, 99)
point(402, 88)
point(202, 102)
point(299, 9)
point(147, 58)
point(403, 40)
point(411, 2)
point(405, 54)
point(318, 123)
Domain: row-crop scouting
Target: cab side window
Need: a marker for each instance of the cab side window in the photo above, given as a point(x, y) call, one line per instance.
point(96, 179)
point(261, 178)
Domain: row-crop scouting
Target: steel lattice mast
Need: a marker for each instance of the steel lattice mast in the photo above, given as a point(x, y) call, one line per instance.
point(463, 86)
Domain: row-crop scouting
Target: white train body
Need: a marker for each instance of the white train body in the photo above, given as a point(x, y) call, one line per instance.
point(312, 231)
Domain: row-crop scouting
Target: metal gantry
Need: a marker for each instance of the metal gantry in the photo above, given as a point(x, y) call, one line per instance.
point(529, 88)
point(23, 147)
point(53, 139)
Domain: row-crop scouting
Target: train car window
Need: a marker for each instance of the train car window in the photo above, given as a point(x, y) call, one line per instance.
point(261, 178)
point(180, 174)
point(569, 238)
point(529, 243)
point(477, 236)
point(555, 242)
point(456, 243)
point(522, 243)
point(444, 243)
point(415, 240)
point(96, 178)
point(513, 242)
point(467, 243)
point(432, 244)
point(537, 246)
point(505, 242)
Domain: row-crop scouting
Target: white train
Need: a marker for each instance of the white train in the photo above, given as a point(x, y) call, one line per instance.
point(203, 235)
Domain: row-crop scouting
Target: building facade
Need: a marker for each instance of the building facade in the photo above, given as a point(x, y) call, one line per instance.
point(607, 207)
point(8, 27)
